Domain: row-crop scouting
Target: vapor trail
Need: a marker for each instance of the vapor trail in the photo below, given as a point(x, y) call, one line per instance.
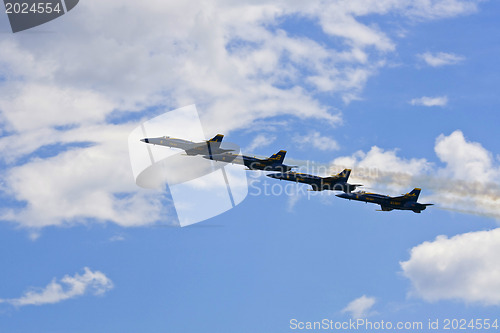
point(458, 195)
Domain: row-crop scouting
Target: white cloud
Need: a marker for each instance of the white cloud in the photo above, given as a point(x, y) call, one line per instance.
point(440, 58)
point(430, 101)
point(338, 18)
point(383, 169)
point(465, 160)
point(316, 140)
point(96, 283)
point(40, 106)
point(470, 180)
point(261, 140)
point(79, 184)
point(342, 23)
point(435, 9)
point(360, 307)
point(464, 267)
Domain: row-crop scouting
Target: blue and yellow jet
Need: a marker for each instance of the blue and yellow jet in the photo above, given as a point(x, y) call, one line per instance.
point(273, 163)
point(407, 201)
point(333, 183)
point(191, 148)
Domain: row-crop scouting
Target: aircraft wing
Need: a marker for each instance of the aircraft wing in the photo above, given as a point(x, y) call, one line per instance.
point(169, 142)
point(399, 198)
point(342, 176)
point(225, 150)
point(183, 145)
point(304, 180)
point(226, 157)
point(331, 179)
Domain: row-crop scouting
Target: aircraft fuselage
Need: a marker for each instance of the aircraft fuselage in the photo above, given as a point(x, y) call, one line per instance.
point(269, 164)
point(190, 147)
point(317, 183)
point(386, 202)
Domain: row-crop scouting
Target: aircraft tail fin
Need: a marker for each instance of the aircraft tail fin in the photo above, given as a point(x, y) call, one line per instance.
point(348, 188)
point(413, 195)
point(344, 174)
point(217, 138)
point(279, 156)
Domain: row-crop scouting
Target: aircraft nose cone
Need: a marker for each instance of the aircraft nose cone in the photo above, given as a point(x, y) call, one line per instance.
point(342, 195)
point(145, 140)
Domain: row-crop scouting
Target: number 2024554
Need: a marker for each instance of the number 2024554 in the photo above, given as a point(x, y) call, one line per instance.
point(35, 8)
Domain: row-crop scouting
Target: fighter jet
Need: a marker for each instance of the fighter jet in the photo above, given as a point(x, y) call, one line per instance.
point(334, 183)
point(209, 147)
point(273, 163)
point(407, 201)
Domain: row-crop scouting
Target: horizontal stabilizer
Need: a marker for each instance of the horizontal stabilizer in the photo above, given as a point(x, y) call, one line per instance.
point(351, 187)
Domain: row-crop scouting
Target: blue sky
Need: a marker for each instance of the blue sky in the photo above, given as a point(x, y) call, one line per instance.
point(404, 90)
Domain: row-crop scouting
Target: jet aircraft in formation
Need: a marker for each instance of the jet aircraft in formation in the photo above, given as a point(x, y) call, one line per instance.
point(273, 163)
point(191, 148)
point(211, 150)
point(407, 201)
point(333, 183)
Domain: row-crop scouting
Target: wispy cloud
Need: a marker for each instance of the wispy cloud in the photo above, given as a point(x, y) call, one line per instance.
point(260, 140)
point(360, 307)
point(316, 140)
point(440, 58)
point(90, 282)
point(117, 238)
point(430, 101)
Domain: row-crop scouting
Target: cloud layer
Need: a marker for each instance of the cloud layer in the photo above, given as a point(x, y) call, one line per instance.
point(69, 98)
